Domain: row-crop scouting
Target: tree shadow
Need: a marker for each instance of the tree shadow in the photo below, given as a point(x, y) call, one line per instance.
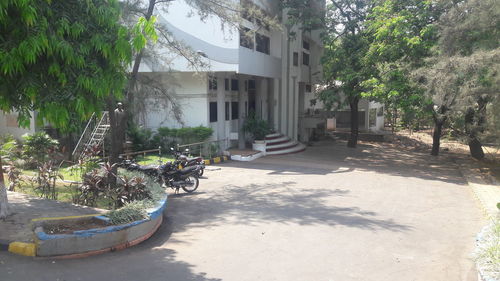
point(327, 157)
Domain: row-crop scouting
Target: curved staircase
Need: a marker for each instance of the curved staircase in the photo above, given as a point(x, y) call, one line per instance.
point(277, 144)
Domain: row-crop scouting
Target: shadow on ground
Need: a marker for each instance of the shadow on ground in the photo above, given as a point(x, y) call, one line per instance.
point(328, 157)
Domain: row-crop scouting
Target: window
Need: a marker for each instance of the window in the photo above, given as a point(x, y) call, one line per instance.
point(234, 85)
point(226, 110)
point(305, 58)
point(295, 59)
point(262, 43)
point(308, 88)
point(213, 112)
point(246, 85)
point(226, 84)
point(234, 110)
point(246, 38)
point(380, 111)
point(372, 117)
point(305, 45)
point(251, 84)
point(212, 83)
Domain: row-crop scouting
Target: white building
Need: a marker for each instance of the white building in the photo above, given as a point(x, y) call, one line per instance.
point(271, 74)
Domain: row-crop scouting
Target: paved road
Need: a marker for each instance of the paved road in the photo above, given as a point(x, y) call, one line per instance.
point(326, 214)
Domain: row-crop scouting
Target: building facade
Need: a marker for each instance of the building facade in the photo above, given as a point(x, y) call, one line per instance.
point(268, 73)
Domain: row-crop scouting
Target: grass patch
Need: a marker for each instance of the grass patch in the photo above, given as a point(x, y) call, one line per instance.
point(153, 159)
point(487, 254)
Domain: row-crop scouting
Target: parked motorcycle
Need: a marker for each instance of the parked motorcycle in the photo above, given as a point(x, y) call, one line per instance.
point(185, 161)
point(169, 174)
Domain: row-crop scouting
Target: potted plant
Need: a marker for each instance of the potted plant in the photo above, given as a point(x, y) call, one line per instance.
point(258, 128)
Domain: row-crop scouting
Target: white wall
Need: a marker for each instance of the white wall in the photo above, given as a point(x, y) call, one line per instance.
point(8, 125)
point(191, 94)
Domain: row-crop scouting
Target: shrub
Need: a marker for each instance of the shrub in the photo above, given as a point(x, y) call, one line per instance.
point(132, 211)
point(258, 128)
point(141, 138)
point(37, 147)
point(487, 254)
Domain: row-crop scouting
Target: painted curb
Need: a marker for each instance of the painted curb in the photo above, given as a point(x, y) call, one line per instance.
point(84, 243)
point(216, 160)
point(24, 249)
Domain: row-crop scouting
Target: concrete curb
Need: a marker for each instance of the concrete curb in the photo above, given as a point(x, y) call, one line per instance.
point(84, 243)
point(19, 248)
point(216, 160)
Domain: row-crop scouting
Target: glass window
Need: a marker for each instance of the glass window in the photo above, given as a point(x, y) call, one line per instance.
point(262, 43)
point(234, 110)
point(246, 38)
point(212, 83)
point(305, 58)
point(295, 59)
point(305, 45)
point(234, 85)
point(213, 111)
point(226, 84)
point(226, 110)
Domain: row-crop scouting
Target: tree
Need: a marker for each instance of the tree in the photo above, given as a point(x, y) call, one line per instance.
point(346, 45)
point(61, 59)
point(463, 76)
point(403, 34)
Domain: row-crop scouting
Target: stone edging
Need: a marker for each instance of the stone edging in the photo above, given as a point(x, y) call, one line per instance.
point(216, 160)
point(76, 245)
point(89, 242)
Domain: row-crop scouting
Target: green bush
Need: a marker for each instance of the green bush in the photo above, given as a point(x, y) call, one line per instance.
point(186, 135)
point(257, 127)
point(37, 147)
point(142, 139)
point(132, 211)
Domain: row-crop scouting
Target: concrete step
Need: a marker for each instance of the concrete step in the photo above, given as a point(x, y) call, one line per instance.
point(273, 136)
point(281, 146)
point(299, 147)
point(279, 140)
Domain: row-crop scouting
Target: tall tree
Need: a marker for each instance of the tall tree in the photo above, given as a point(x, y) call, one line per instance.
point(346, 45)
point(404, 32)
point(463, 76)
point(60, 58)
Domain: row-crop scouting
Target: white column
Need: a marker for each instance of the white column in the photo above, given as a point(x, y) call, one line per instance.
point(221, 97)
point(241, 111)
point(276, 103)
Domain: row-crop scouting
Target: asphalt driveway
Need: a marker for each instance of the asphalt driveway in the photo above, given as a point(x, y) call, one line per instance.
point(329, 213)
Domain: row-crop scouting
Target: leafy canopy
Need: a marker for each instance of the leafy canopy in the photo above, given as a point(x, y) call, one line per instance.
point(62, 58)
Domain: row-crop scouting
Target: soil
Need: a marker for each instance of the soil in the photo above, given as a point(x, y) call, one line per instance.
point(422, 141)
point(69, 227)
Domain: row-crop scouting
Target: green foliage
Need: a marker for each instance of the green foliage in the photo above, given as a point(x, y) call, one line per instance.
point(187, 134)
point(144, 139)
point(257, 127)
point(487, 253)
point(403, 34)
point(37, 147)
point(132, 211)
point(63, 58)
point(141, 138)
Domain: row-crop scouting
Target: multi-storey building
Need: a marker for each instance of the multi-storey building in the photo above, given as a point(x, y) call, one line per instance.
point(269, 73)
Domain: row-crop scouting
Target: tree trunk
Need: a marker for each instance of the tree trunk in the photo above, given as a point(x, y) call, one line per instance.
point(353, 140)
point(4, 202)
point(137, 62)
point(476, 149)
point(116, 142)
point(436, 137)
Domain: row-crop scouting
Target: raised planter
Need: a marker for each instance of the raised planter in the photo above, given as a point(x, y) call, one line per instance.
point(259, 145)
point(82, 243)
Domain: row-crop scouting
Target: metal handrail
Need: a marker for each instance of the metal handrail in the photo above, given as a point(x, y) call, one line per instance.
point(83, 134)
point(200, 144)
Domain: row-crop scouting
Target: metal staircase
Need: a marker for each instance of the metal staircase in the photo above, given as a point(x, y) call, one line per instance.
point(93, 135)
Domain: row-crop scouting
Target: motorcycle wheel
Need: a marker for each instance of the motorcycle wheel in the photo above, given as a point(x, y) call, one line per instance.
point(200, 172)
point(192, 183)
